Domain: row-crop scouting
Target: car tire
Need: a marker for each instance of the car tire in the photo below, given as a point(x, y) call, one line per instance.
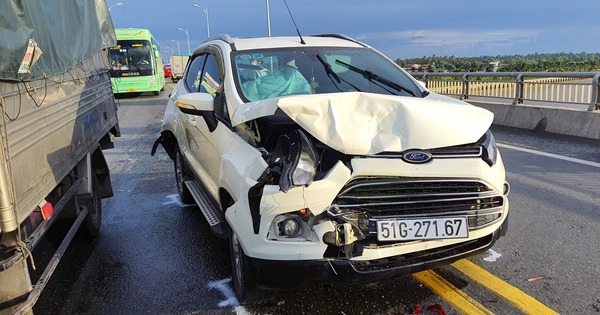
point(180, 176)
point(93, 203)
point(244, 276)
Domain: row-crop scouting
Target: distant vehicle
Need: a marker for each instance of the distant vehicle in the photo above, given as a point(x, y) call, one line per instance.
point(136, 65)
point(53, 136)
point(178, 63)
point(167, 68)
point(322, 159)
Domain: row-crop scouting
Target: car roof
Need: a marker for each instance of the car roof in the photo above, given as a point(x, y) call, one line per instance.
point(326, 40)
point(293, 41)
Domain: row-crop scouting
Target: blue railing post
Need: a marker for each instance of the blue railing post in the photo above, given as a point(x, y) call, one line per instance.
point(465, 87)
point(426, 80)
point(595, 101)
point(519, 91)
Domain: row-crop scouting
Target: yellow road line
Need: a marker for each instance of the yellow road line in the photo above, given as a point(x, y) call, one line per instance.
point(453, 295)
point(512, 295)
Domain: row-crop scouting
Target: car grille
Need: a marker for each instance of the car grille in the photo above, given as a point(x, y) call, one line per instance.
point(406, 198)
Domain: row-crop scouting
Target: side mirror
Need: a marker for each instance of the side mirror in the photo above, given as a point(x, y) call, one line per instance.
point(199, 104)
point(156, 54)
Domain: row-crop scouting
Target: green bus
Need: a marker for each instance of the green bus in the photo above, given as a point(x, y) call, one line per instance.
point(136, 65)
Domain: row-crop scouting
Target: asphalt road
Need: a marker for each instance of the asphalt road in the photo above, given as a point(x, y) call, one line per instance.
point(156, 256)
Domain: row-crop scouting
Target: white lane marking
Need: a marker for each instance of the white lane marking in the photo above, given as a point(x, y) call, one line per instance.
point(240, 310)
point(492, 255)
point(556, 156)
point(222, 285)
point(174, 199)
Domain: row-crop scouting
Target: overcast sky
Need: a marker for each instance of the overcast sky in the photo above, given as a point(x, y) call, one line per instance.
point(398, 28)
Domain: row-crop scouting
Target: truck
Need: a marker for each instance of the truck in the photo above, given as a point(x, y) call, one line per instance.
point(178, 63)
point(58, 114)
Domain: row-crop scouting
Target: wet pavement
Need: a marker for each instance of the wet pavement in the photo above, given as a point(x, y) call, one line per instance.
point(157, 256)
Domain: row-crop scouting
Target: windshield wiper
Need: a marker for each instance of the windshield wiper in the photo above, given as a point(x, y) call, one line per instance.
point(332, 73)
point(372, 76)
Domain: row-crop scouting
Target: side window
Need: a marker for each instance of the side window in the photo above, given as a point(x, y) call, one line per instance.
point(211, 76)
point(194, 74)
point(212, 84)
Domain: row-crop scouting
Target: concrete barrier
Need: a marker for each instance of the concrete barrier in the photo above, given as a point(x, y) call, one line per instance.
point(550, 119)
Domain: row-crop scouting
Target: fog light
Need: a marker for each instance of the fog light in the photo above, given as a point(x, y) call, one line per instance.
point(290, 227)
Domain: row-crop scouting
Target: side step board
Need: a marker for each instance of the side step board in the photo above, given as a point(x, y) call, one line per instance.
point(207, 208)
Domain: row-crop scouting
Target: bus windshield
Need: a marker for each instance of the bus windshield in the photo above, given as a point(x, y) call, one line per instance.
point(131, 58)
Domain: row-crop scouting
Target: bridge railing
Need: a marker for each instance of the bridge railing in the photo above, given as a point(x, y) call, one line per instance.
point(579, 88)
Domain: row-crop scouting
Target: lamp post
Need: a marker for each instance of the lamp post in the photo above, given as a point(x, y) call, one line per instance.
point(206, 13)
point(178, 49)
point(115, 5)
point(188, 39)
point(172, 53)
point(268, 19)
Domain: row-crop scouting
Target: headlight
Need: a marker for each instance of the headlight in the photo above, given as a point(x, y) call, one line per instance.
point(298, 160)
point(490, 151)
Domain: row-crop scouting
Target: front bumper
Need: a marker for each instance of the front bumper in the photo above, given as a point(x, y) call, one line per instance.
point(270, 273)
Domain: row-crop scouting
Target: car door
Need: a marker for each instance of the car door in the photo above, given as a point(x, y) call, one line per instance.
point(204, 76)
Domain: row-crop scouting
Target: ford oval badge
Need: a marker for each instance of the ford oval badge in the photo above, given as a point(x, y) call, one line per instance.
point(416, 156)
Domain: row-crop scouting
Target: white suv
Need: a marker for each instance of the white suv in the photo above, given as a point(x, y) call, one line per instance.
point(321, 159)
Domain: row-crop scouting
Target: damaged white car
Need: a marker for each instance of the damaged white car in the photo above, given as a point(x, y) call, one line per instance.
point(320, 159)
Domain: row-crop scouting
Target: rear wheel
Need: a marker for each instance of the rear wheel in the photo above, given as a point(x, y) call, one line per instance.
point(180, 175)
point(93, 203)
point(244, 276)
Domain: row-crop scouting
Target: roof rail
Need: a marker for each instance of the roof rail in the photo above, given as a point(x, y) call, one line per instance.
point(224, 37)
point(340, 36)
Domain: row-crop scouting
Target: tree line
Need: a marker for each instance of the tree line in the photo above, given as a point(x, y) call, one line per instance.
point(536, 62)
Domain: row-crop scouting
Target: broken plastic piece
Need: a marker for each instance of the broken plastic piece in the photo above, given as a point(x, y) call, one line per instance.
point(436, 309)
point(536, 278)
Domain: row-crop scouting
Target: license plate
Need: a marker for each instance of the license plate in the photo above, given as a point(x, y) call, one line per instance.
point(132, 90)
point(422, 229)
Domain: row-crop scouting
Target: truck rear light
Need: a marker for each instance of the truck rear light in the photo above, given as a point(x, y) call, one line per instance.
point(47, 210)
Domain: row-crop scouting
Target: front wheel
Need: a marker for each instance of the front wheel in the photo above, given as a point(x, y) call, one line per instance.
point(244, 276)
point(180, 174)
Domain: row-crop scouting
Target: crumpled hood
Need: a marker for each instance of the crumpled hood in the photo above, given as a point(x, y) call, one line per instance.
point(362, 123)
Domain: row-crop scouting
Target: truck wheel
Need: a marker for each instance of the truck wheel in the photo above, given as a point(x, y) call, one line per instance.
point(93, 219)
point(180, 175)
point(244, 277)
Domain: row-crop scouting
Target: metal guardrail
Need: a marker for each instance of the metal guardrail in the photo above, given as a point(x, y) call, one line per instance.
point(580, 88)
